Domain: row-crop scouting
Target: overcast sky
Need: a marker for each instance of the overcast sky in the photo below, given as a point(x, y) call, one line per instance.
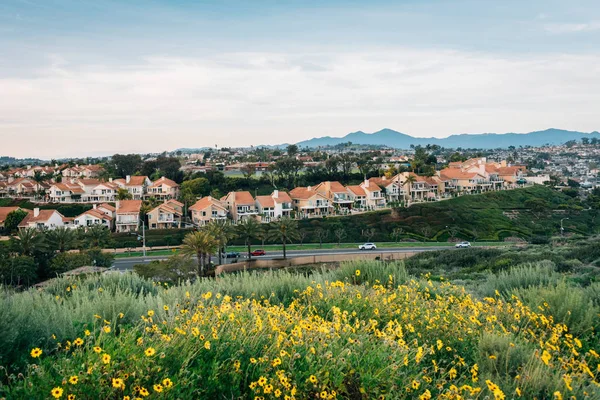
point(81, 77)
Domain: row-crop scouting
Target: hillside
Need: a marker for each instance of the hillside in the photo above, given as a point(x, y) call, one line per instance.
point(391, 138)
point(488, 216)
point(364, 330)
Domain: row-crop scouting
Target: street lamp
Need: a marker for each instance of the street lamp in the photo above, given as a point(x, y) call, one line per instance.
point(562, 230)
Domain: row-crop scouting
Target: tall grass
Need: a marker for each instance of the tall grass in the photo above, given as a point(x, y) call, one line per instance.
point(521, 276)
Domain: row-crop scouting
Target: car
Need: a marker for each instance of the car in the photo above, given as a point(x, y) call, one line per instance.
point(463, 245)
point(367, 246)
point(258, 252)
point(232, 254)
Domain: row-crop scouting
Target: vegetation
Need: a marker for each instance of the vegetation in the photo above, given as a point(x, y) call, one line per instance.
point(525, 327)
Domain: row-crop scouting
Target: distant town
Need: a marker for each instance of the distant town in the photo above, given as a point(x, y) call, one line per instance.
point(188, 188)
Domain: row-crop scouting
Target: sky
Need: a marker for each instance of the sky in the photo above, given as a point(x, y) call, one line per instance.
point(87, 78)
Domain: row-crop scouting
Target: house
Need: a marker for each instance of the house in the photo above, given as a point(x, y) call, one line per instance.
point(274, 206)
point(163, 189)
point(166, 215)
point(128, 215)
point(4, 211)
point(207, 209)
point(83, 171)
point(43, 219)
point(463, 181)
point(391, 188)
point(309, 203)
point(240, 205)
point(337, 194)
point(3, 189)
point(93, 217)
point(135, 185)
point(374, 196)
point(98, 191)
point(65, 192)
point(107, 209)
point(358, 196)
point(25, 187)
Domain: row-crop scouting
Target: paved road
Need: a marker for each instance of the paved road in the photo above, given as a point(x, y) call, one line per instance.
point(126, 264)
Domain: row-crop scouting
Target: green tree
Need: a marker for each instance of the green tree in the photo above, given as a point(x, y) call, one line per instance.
point(200, 244)
point(248, 229)
point(13, 219)
point(283, 230)
point(223, 232)
point(61, 239)
point(19, 270)
point(28, 241)
point(97, 236)
point(194, 188)
point(124, 164)
point(174, 269)
point(292, 150)
point(123, 194)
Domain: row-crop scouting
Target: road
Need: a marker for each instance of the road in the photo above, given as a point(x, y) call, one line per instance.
point(126, 264)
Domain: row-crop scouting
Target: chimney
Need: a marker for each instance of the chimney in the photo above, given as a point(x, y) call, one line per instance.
point(366, 182)
point(110, 179)
point(94, 206)
point(309, 188)
point(118, 204)
point(275, 194)
point(36, 212)
point(127, 178)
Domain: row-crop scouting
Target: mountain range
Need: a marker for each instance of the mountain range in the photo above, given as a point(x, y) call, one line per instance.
point(391, 138)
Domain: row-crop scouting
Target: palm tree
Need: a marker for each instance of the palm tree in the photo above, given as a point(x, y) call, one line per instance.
point(223, 232)
point(248, 229)
point(62, 238)
point(285, 229)
point(97, 236)
point(200, 244)
point(28, 241)
point(410, 179)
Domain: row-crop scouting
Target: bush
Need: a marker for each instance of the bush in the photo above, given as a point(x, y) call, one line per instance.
point(523, 276)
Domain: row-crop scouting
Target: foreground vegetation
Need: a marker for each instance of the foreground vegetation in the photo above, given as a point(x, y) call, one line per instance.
point(514, 324)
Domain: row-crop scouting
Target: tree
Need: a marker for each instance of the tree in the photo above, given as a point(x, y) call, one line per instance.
point(332, 166)
point(61, 238)
point(292, 150)
point(321, 234)
point(200, 244)
point(340, 234)
point(13, 219)
point(301, 236)
point(19, 270)
point(426, 231)
point(284, 230)
point(369, 233)
point(346, 163)
point(223, 232)
point(123, 194)
point(125, 164)
point(538, 207)
point(28, 241)
point(396, 233)
point(453, 231)
point(248, 171)
point(248, 229)
point(173, 269)
point(97, 236)
point(194, 188)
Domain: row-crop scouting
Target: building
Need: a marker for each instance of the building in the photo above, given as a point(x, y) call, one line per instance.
point(166, 215)
point(128, 215)
point(207, 209)
point(336, 193)
point(391, 189)
point(65, 192)
point(274, 206)
point(4, 211)
point(135, 185)
point(240, 205)
point(92, 217)
point(43, 219)
point(374, 197)
point(309, 203)
point(163, 189)
point(358, 196)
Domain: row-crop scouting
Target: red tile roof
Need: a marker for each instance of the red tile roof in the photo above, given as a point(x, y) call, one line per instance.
point(206, 202)
point(302, 193)
point(129, 207)
point(357, 190)
point(164, 181)
point(265, 201)
point(282, 197)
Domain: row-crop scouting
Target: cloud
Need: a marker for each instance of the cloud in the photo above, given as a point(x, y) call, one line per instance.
point(572, 27)
point(235, 99)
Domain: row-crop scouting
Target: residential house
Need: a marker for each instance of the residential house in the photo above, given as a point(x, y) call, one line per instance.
point(465, 182)
point(4, 211)
point(65, 192)
point(83, 171)
point(308, 203)
point(107, 209)
point(240, 205)
point(98, 191)
point(391, 188)
point(274, 206)
point(3, 189)
point(374, 196)
point(336, 193)
point(43, 219)
point(358, 196)
point(25, 187)
point(166, 215)
point(135, 185)
point(128, 215)
point(207, 209)
point(93, 217)
point(163, 189)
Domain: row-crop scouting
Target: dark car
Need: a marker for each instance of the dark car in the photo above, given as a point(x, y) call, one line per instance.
point(258, 252)
point(232, 254)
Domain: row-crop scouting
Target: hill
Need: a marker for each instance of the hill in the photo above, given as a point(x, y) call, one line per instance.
point(400, 140)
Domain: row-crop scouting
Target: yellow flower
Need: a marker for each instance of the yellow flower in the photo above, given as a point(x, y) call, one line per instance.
point(106, 359)
point(546, 357)
point(518, 392)
point(73, 380)
point(36, 352)
point(150, 313)
point(426, 395)
point(126, 398)
point(357, 272)
point(97, 349)
point(313, 379)
point(71, 397)
point(87, 333)
point(118, 383)
point(144, 392)
point(452, 373)
point(167, 383)
point(557, 395)
point(57, 392)
point(166, 308)
point(207, 345)
point(158, 388)
point(262, 380)
point(415, 384)
point(106, 329)
point(150, 352)
point(78, 342)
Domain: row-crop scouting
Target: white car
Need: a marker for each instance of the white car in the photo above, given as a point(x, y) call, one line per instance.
point(463, 245)
point(367, 246)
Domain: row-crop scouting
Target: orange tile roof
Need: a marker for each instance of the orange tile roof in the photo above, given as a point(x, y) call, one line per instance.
point(90, 181)
point(129, 207)
point(175, 202)
point(357, 190)
point(4, 211)
point(282, 197)
point(206, 202)
point(164, 181)
point(265, 201)
point(370, 186)
point(455, 173)
point(302, 193)
point(167, 208)
point(43, 216)
point(244, 197)
point(334, 186)
point(97, 214)
point(107, 206)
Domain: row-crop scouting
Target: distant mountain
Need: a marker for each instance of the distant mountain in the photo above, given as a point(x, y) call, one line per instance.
point(400, 140)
